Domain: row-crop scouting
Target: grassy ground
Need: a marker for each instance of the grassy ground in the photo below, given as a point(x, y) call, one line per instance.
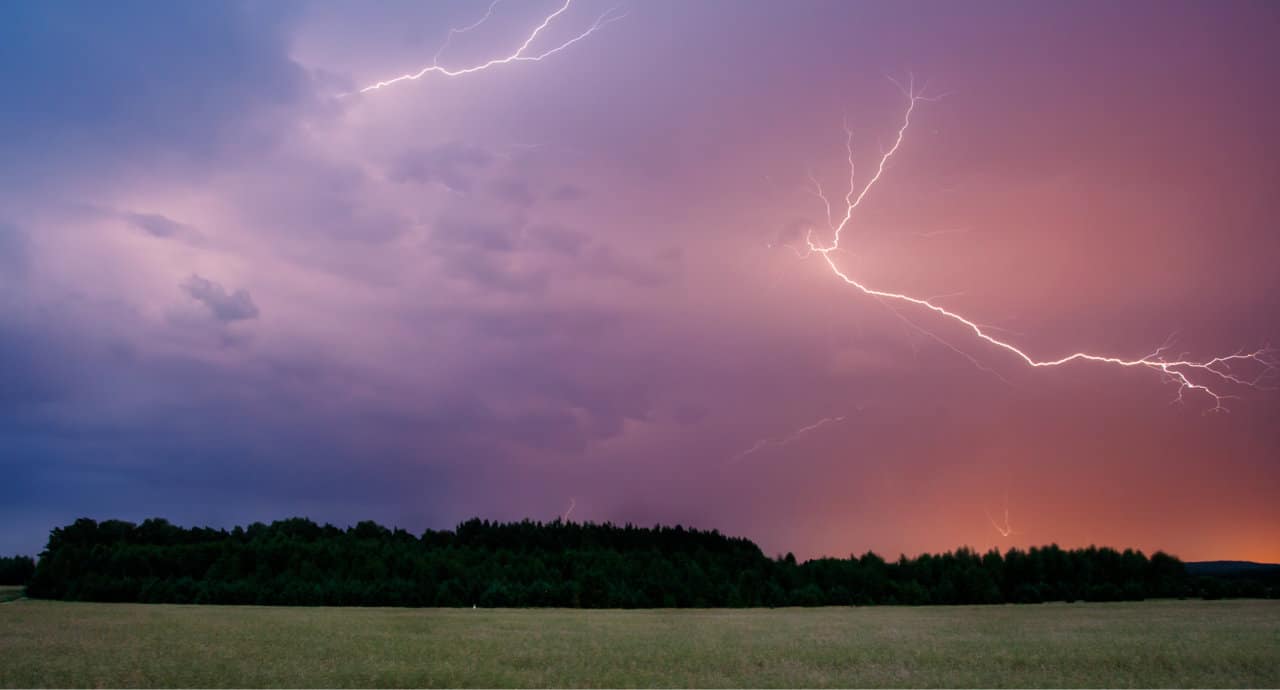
point(10, 593)
point(1149, 644)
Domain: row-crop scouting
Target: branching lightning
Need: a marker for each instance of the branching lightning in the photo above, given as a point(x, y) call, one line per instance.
point(522, 54)
point(1209, 377)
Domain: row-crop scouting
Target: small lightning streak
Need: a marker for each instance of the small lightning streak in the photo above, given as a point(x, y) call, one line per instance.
point(435, 59)
point(572, 502)
point(521, 54)
point(1005, 530)
point(765, 442)
point(1204, 376)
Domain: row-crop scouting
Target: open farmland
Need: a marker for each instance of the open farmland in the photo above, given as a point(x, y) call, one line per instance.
point(1154, 643)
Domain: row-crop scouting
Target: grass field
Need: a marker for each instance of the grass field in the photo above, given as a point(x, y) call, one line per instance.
point(10, 593)
point(1161, 644)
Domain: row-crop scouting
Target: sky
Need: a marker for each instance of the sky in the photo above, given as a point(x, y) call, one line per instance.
point(234, 288)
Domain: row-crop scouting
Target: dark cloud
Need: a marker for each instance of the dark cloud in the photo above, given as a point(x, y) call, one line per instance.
point(111, 428)
point(157, 225)
point(143, 78)
point(531, 325)
point(432, 356)
point(324, 201)
point(512, 190)
point(688, 414)
point(454, 165)
point(557, 239)
point(29, 368)
point(792, 234)
point(489, 236)
point(236, 306)
point(567, 192)
point(129, 437)
point(495, 272)
point(114, 431)
point(511, 256)
point(13, 251)
point(604, 262)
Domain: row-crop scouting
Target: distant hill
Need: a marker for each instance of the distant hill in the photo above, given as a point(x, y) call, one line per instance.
point(1264, 572)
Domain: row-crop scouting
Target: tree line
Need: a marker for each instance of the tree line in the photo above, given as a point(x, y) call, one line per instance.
point(522, 564)
point(16, 570)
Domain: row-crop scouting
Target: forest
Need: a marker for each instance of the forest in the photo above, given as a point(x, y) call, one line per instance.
point(16, 570)
point(566, 564)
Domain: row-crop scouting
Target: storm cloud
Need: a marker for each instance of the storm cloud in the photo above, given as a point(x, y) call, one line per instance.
point(232, 290)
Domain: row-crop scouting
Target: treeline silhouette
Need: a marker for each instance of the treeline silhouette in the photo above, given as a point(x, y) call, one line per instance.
point(297, 562)
point(16, 570)
point(1218, 579)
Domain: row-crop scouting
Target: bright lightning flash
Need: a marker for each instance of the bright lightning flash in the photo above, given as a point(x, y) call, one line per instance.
point(521, 54)
point(1206, 376)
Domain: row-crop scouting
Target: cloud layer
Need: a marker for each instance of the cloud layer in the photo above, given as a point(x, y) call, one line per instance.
point(229, 293)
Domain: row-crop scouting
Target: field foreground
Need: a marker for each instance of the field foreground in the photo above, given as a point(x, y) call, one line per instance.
point(1161, 644)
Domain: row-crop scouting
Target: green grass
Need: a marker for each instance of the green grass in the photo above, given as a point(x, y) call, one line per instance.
point(1161, 644)
point(10, 593)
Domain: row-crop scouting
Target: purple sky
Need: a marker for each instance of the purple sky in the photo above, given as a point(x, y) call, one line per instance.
point(228, 293)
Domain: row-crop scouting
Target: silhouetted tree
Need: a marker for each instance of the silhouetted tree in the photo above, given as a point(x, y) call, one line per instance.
point(16, 570)
point(297, 562)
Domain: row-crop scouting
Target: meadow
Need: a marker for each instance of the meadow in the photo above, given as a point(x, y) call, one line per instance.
point(1155, 643)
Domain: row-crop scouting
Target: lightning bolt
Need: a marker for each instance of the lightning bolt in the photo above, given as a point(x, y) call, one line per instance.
point(765, 442)
point(1005, 530)
point(572, 501)
point(435, 59)
point(521, 54)
point(1201, 376)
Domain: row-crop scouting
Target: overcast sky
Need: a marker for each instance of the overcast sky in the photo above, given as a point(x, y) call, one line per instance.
point(233, 290)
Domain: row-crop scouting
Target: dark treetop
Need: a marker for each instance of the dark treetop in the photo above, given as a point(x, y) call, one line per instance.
point(297, 562)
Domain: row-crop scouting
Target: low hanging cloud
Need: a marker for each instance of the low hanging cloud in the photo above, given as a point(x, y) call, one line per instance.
point(567, 192)
point(557, 239)
point(156, 225)
point(164, 228)
point(512, 190)
point(236, 306)
point(453, 165)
